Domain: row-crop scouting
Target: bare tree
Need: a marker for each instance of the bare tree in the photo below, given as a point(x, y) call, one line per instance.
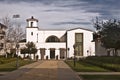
point(14, 32)
point(7, 22)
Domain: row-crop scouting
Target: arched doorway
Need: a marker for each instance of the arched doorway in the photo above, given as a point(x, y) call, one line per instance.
point(42, 52)
point(52, 53)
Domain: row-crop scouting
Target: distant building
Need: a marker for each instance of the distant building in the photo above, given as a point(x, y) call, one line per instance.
point(60, 44)
point(101, 50)
point(2, 39)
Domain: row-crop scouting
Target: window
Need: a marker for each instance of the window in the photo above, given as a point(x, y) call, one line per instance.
point(78, 37)
point(31, 33)
point(1, 37)
point(1, 45)
point(31, 24)
point(52, 39)
point(79, 44)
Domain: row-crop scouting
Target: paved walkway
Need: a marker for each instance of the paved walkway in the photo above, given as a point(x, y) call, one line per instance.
point(42, 70)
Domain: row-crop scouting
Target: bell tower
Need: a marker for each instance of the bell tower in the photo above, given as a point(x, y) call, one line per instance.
point(32, 22)
point(32, 30)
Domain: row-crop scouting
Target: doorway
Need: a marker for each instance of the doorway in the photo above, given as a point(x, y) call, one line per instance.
point(52, 53)
point(42, 52)
point(62, 53)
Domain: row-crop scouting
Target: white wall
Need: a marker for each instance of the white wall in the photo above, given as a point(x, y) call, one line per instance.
point(43, 35)
point(47, 47)
point(34, 24)
point(51, 45)
point(29, 37)
point(87, 44)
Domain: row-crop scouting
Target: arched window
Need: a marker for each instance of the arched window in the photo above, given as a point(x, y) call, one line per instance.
point(52, 39)
point(31, 24)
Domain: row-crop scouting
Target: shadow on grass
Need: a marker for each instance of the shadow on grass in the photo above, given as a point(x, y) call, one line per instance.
point(11, 66)
point(100, 77)
point(41, 74)
point(85, 67)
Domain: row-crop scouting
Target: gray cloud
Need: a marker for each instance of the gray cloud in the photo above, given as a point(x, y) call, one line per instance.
point(61, 13)
point(72, 22)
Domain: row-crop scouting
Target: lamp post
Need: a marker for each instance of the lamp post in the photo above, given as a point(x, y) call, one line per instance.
point(74, 46)
point(68, 52)
point(16, 16)
point(17, 61)
point(30, 54)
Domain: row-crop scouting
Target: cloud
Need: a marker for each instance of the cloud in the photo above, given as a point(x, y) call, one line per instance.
point(60, 13)
point(106, 8)
point(72, 22)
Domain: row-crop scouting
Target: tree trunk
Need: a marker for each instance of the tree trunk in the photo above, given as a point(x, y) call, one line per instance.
point(34, 56)
point(108, 52)
point(116, 52)
point(24, 55)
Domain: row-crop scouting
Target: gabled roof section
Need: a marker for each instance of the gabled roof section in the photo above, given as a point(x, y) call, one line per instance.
point(32, 19)
point(3, 26)
point(80, 28)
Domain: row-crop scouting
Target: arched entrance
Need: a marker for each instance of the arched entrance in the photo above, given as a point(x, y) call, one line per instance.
point(42, 52)
point(52, 53)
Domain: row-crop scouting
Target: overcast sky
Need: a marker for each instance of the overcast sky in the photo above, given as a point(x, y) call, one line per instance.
point(61, 14)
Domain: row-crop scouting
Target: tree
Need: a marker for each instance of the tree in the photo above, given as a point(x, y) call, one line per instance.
point(109, 34)
point(14, 32)
point(24, 51)
point(30, 49)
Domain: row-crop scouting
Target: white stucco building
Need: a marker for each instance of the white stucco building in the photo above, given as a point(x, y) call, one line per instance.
point(58, 44)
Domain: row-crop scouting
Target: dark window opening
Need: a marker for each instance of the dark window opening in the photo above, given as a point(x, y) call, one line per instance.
point(52, 39)
point(31, 24)
point(1, 45)
point(1, 37)
point(31, 33)
point(79, 44)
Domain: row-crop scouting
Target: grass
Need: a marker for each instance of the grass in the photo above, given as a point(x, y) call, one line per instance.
point(100, 77)
point(111, 63)
point(12, 65)
point(85, 67)
point(4, 60)
point(97, 64)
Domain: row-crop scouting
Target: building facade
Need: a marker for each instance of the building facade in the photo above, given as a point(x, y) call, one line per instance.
point(2, 39)
point(60, 44)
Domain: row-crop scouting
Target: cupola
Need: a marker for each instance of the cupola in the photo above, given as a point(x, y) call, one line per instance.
point(32, 22)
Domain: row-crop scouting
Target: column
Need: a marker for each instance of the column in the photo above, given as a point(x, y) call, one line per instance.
point(47, 54)
point(57, 53)
point(38, 53)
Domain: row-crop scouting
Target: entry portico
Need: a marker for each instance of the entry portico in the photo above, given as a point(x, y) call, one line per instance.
point(51, 50)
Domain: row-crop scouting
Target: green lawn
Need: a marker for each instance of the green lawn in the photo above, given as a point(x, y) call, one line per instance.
point(97, 64)
point(85, 67)
point(10, 66)
point(107, 62)
point(100, 77)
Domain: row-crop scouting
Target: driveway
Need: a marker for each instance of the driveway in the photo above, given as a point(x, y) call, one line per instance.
point(43, 70)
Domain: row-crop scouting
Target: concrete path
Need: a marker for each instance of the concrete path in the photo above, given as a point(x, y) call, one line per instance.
point(42, 70)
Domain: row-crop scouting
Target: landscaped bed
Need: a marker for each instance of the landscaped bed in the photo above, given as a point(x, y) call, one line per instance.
point(100, 77)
